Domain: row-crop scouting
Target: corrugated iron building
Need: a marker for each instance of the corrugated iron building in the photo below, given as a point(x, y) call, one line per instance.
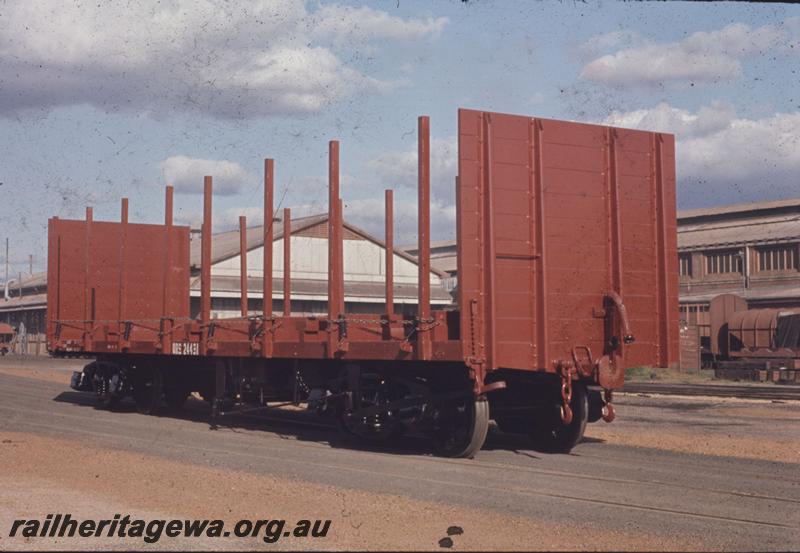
point(364, 271)
point(747, 249)
point(24, 301)
point(444, 257)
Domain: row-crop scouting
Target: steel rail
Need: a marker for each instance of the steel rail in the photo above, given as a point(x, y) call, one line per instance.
point(778, 392)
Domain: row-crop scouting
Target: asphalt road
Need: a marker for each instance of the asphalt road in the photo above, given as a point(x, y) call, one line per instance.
point(726, 502)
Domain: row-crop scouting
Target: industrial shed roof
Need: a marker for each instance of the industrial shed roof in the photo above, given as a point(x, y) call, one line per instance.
point(750, 230)
point(447, 263)
point(443, 254)
point(225, 245)
point(33, 281)
point(748, 208)
point(34, 301)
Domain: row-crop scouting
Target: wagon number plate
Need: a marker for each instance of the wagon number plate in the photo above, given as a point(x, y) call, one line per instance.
point(185, 348)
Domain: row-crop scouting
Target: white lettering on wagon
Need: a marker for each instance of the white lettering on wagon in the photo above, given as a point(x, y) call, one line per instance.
point(185, 348)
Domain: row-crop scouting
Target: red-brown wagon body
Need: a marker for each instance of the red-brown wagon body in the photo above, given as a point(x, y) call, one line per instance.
point(566, 266)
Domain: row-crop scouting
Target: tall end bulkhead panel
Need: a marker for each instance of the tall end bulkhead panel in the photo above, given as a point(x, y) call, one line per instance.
point(552, 216)
point(100, 273)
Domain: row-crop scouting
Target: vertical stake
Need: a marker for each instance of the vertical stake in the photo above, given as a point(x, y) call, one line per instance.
point(340, 254)
point(266, 308)
point(166, 325)
point(205, 265)
point(287, 262)
point(122, 263)
point(389, 237)
point(424, 246)
point(243, 263)
point(333, 257)
point(86, 286)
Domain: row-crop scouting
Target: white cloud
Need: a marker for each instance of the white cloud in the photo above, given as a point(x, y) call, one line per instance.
point(598, 44)
point(686, 125)
point(701, 57)
point(734, 158)
point(369, 214)
point(221, 220)
point(186, 175)
point(400, 168)
point(347, 23)
point(230, 60)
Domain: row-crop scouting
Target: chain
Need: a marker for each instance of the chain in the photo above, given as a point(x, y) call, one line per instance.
point(301, 382)
point(414, 322)
point(566, 394)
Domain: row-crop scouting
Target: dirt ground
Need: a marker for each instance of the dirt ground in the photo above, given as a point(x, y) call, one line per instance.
point(39, 373)
point(49, 476)
point(750, 441)
point(46, 474)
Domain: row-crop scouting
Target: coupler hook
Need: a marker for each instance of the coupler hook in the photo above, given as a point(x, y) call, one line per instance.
point(607, 412)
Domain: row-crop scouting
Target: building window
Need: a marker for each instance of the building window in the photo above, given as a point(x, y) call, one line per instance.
point(723, 262)
point(777, 258)
point(697, 314)
point(685, 262)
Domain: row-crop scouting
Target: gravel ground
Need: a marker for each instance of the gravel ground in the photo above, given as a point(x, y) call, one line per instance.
point(669, 474)
point(110, 482)
point(729, 427)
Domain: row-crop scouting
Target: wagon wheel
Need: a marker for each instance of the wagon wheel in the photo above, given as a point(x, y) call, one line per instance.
point(175, 397)
point(373, 430)
point(460, 427)
point(148, 390)
point(101, 377)
point(175, 389)
point(107, 399)
point(375, 390)
point(551, 435)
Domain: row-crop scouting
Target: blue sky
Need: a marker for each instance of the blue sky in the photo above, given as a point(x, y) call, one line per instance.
point(102, 102)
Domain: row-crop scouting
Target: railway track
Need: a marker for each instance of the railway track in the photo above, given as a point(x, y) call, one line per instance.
point(709, 496)
point(778, 393)
point(521, 493)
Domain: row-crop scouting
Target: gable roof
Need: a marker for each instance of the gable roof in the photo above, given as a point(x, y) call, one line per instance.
point(743, 209)
point(225, 245)
point(739, 231)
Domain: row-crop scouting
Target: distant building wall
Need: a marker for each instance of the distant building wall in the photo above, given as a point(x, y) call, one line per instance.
point(752, 250)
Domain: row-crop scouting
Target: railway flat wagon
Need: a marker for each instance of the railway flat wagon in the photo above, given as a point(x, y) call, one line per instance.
point(567, 253)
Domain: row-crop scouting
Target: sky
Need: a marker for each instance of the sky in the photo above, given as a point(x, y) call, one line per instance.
point(104, 100)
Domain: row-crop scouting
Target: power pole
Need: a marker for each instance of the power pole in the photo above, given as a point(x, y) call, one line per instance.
point(30, 264)
point(6, 278)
